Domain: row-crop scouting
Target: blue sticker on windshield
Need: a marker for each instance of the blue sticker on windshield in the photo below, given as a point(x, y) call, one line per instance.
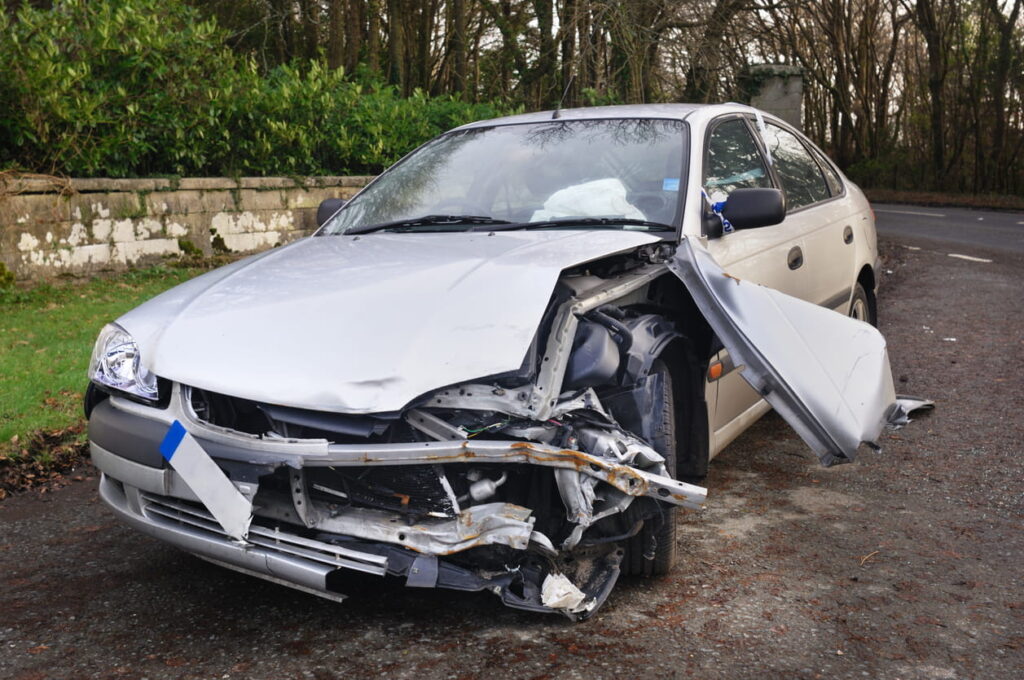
point(670, 184)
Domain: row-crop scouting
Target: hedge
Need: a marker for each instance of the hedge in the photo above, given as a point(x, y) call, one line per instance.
point(135, 88)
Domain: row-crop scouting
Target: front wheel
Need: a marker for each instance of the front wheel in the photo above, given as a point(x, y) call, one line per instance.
point(657, 531)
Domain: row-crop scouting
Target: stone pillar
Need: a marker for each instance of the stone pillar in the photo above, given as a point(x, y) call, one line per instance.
point(777, 89)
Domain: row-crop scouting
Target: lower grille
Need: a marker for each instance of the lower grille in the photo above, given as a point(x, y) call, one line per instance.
point(172, 511)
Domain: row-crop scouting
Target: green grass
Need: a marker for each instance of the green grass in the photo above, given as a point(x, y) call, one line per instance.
point(46, 338)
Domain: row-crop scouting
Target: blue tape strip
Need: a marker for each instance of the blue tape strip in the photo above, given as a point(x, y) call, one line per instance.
point(171, 440)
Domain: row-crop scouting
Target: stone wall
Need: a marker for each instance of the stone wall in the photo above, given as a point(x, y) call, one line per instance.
point(50, 226)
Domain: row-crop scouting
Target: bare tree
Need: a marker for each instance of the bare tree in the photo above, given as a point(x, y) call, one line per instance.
point(901, 92)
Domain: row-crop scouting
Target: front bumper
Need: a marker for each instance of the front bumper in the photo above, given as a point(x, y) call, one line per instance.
point(285, 558)
point(307, 544)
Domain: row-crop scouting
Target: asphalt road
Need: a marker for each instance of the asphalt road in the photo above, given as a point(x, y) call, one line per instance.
point(981, 229)
point(906, 564)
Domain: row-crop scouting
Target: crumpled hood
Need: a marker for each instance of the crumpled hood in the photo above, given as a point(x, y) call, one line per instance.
point(363, 324)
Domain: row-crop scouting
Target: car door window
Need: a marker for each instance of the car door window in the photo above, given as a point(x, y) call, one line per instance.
point(835, 186)
point(801, 177)
point(733, 161)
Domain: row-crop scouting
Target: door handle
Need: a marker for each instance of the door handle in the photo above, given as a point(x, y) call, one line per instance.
point(847, 235)
point(796, 258)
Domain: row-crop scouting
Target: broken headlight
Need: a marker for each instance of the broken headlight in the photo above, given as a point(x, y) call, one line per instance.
point(115, 363)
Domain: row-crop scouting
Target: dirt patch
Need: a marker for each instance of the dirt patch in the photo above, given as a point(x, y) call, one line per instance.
point(822, 501)
point(46, 460)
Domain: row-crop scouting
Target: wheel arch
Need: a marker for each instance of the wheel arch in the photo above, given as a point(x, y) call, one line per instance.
point(687, 356)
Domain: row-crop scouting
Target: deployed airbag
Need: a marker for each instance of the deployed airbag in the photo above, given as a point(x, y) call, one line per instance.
point(599, 198)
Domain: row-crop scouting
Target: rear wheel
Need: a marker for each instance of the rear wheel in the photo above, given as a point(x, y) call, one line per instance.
point(860, 305)
point(657, 531)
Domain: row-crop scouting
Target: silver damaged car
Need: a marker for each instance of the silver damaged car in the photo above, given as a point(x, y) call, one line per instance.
point(505, 364)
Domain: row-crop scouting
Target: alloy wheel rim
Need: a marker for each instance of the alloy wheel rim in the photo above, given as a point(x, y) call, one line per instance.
point(858, 310)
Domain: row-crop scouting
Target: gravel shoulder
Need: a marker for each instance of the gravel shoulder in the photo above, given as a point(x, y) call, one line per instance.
point(905, 564)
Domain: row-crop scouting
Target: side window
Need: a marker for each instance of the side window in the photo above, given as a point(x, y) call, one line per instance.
point(835, 185)
point(801, 177)
point(733, 161)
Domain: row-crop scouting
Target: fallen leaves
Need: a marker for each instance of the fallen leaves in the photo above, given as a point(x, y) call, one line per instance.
point(44, 461)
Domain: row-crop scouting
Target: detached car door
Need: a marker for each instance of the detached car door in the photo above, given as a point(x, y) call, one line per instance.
point(826, 374)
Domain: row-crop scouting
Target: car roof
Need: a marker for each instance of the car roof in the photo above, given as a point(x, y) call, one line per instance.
point(659, 111)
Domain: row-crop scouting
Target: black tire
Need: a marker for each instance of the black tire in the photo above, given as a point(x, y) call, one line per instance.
point(663, 529)
point(693, 439)
point(861, 307)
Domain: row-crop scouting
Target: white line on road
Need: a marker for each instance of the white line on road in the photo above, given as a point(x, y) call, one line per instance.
point(968, 258)
point(910, 212)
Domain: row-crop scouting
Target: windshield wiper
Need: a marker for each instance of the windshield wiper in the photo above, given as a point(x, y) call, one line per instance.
point(582, 222)
point(426, 220)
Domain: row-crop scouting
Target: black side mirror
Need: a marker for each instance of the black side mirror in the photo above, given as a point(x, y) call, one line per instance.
point(328, 208)
point(753, 208)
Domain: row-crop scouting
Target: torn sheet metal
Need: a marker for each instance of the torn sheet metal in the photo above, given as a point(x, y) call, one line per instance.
point(479, 525)
point(826, 374)
point(905, 405)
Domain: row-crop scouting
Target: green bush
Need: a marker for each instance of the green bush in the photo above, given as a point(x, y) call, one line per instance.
point(115, 87)
point(124, 88)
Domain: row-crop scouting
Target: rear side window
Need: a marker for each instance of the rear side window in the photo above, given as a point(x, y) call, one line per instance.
point(835, 185)
point(733, 161)
point(801, 177)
